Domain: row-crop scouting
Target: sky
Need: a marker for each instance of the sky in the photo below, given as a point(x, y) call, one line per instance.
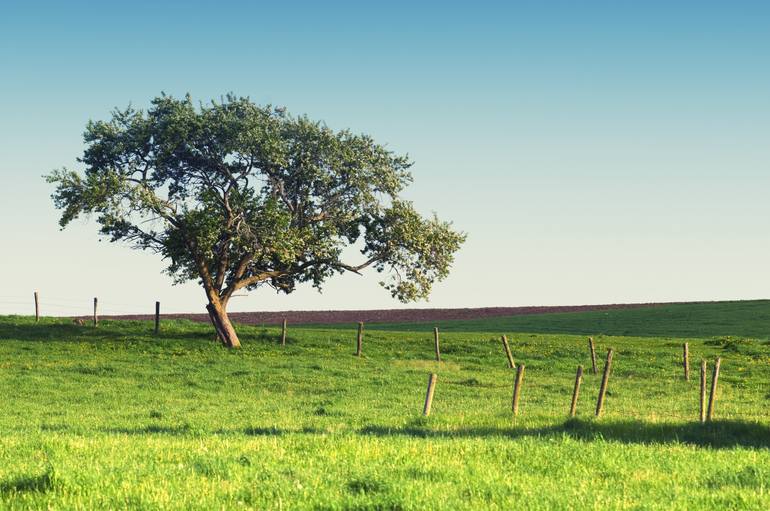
point(594, 152)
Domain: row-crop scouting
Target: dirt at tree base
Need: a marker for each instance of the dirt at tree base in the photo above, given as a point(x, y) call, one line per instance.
point(388, 315)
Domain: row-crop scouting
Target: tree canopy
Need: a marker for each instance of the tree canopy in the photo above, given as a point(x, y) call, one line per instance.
point(238, 195)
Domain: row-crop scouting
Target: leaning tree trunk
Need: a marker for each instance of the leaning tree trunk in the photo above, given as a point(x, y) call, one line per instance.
point(222, 325)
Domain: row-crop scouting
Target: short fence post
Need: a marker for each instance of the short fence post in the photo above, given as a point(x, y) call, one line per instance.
point(157, 318)
point(283, 333)
point(508, 352)
point(713, 394)
point(603, 388)
point(37, 308)
point(435, 342)
point(686, 361)
point(576, 391)
point(360, 338)
point(593, 354)
point(517, 388)
point(96, 318)
point(429, 395)
point(703, 391)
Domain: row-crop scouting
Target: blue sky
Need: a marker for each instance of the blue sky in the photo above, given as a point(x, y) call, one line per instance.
point(594, 152)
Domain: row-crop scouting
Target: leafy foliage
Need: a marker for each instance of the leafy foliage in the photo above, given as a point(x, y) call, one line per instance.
point(240, 195)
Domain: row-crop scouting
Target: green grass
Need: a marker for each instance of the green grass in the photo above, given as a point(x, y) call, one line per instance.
point(115, 418)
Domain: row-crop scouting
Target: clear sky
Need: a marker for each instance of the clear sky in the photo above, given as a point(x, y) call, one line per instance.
point(594, 152)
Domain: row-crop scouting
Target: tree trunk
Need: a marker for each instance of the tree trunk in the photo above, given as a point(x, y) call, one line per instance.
point(222, 325)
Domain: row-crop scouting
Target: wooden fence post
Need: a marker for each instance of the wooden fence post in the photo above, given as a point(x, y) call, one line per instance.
point(157, 318)
point(429, 395)
point(603, 388)
point(96, 317)
point(517, 388)
point(360, 338)
point(576, 391)
point(593, 354)
point(435, 341)
point(703, 391)
point(713, 394)
point(283, 333)
point(686, 361)
point(37, 308)
point(508, 352)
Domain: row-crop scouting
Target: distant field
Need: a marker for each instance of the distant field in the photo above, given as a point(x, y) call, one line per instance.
point(113, 418)
point(701, 319)
point(742, 318)
point(410, 315)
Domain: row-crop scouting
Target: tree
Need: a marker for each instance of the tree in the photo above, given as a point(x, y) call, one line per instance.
point(238, 195)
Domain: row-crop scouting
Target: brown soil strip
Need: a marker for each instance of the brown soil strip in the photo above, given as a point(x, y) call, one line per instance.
point(388, 315)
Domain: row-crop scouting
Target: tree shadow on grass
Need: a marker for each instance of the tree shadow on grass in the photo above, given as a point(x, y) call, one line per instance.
point(59, 331)
point(717, 434)
point(28, 484)
point(263, 431)
point(182, 430)
point(273, 431)
point(64, 330)
point(155, 429)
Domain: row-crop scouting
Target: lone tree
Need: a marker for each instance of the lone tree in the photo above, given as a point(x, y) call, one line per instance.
point(238, 195)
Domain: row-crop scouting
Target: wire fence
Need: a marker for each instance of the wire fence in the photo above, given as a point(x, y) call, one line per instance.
point(66, 306)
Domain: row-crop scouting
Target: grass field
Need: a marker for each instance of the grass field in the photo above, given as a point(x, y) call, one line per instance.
point(115, 418)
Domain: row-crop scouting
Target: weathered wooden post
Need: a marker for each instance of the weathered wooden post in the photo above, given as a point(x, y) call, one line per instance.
point(576, 391)
point(593, 354)
point(703, 391)
point(435, 342)
point(37, 308)
point(686, 362)
point(429, 395)
point(508, 352)
point(157, 318)
point(283, 333)
point(360, 339)
point(517, 388)
point(603, 388)
point(96, 317)
point(713, 394)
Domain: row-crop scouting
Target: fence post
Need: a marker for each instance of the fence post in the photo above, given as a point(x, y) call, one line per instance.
point(713, 394)
point(686, 361)
point(429, 395)
point(157, 318)
point(508, 352)
point(37, 308)
point(593, 354)
point(283, 333)
point(96, 317)
point(435, 341)
point(603, 388)
point(360, 338)
point(517, 388)
point(576, 391)
point(703, 391)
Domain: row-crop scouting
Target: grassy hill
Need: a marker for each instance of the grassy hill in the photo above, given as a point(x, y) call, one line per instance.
point(112, 417)
point(738, 318)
